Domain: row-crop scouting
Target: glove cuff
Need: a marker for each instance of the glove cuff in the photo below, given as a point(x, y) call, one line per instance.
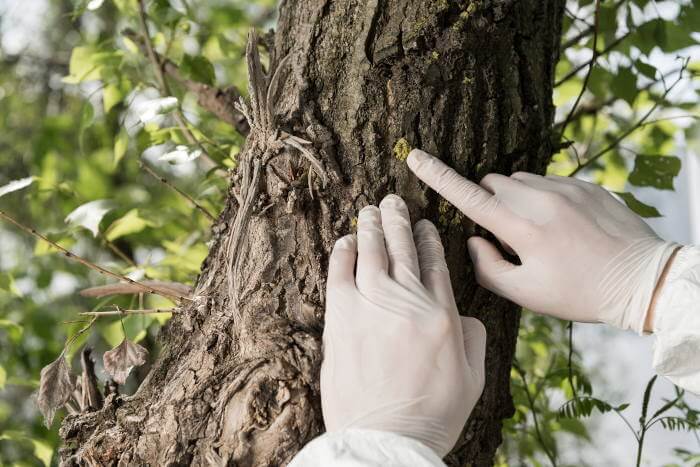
point(628, 285)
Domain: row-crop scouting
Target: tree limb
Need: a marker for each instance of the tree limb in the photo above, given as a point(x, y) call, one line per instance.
point(218, 101)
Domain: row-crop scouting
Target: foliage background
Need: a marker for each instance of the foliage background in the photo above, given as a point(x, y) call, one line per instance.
point(73, 87)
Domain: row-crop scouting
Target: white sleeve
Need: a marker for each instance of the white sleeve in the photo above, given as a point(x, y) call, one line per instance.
point(365, 448)
point(677, 322)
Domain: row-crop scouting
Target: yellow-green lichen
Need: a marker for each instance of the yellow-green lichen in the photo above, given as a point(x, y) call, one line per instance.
point(353, 223)
point(434, 56)
point(448, 215)
point(465, 15)
point(401, 149)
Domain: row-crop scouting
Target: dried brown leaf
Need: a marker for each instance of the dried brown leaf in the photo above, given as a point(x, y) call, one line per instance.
point(55, 388)
point(119, 361)
point(164, 288)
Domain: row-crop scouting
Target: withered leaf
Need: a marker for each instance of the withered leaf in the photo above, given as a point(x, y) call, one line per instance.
point(119, 361)
point(55, 388)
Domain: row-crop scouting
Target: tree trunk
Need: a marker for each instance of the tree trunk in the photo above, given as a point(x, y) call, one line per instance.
point(237, 380)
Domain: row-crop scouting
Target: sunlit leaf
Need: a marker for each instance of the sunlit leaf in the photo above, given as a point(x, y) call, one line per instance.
point(94, 4)
point(180, 155)
point(89, 215)
point(121, 144)
point(112, 94)
point(128, 224)
point(155, 107)
point(15, 185)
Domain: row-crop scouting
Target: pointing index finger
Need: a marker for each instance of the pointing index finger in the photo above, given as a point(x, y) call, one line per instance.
point(474, 201)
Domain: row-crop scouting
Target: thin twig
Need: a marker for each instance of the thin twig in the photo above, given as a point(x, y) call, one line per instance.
point(575, 71)
point(219, 101)
point(119, 311)
point(590, 69)
point(588, 31)
point(594, 108)
point(531, 403)
point(625, 134)
point(164, 181)
point(117, 251)
point(163, 85)
point(70, 255)
point(82, 331)
point(570, 359)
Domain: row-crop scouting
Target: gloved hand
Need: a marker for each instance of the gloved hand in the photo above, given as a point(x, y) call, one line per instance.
point(397, 356)
point(584, 255)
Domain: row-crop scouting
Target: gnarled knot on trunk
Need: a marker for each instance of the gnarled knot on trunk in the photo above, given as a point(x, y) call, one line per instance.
point(265, 141)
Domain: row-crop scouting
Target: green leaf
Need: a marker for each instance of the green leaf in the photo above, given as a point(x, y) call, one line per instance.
point(112, 95)
point(655, 171)
point(121, 144)
point(198, 68)
point(127, 7)
point(43, 451)
point(81, 66)
point(621, 407)
point(607, 20)
point(3, 377)
point(45, 248)
point(650, 35)
point(13, 329)
point(581, 407)
point(643, 210)
point(624, 85)
point(8, 284)
point(88, 63)
point(647, 397)
point(86, 118)
point(128, 224)
point(599, 82)
point(575, 427)
point(644, 68)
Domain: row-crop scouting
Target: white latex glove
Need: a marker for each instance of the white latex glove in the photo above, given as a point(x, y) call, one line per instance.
point(584, 255)
point(397, 356)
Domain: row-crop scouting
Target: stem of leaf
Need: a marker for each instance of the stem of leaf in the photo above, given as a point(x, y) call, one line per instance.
point(531, 403)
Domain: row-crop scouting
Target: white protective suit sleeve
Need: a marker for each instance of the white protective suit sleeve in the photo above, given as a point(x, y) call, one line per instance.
point(365, 448)
point(677, 322)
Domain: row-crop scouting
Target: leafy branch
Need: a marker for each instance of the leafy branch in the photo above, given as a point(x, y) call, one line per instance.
point(219, 101)
point(638, 124)
point(72, 256)
point(163, 85)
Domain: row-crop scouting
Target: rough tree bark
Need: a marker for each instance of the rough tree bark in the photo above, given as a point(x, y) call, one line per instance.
point(237, 380)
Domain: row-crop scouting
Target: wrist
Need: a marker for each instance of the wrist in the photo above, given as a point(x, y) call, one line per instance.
point(651, 311)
